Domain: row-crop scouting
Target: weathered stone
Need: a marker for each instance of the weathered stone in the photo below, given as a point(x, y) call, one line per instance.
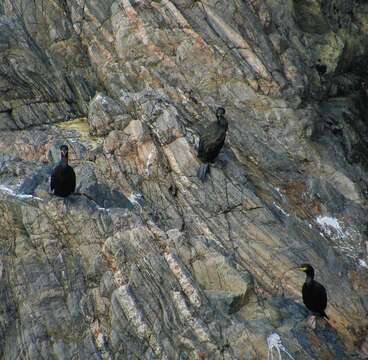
point(152, 263)
point(105, 114)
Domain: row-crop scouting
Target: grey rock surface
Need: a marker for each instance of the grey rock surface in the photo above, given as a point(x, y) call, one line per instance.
point(151, 263)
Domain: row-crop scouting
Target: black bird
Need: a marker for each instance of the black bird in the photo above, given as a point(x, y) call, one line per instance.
point(321, 68)
point(63, 176)
point(211, 142)
point(314, 294)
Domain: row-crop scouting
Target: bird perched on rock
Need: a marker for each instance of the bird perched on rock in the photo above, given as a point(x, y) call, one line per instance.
point(314, 294)
point(211, 142)
point(63, 176)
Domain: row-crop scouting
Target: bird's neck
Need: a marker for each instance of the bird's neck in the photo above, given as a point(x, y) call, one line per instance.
point(222, 121)
point(64, 160)
point(309, 278)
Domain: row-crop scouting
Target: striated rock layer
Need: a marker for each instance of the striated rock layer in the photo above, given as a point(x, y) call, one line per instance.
point(154, 264)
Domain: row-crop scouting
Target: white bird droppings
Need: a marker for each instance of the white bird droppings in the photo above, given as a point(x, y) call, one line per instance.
point(274, 342)
point(281, 210)
point(331, 227)
point(134, 199)
point(19, 196)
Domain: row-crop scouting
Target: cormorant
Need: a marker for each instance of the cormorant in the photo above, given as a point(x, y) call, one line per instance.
point(314, 294)
point(211, 143)
point(321, 68)
point(63, 176)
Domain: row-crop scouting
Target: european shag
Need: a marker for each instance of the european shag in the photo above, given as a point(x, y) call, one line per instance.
point(314, 294)
point(321, 68)
point(211, 142)
point(63, 176)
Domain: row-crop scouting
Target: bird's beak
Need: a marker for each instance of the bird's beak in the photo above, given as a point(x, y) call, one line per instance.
point(304, 269)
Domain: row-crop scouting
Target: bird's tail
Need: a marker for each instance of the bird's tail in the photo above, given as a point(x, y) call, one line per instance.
point(202, 172)
point(324, 315)
point(86, 195)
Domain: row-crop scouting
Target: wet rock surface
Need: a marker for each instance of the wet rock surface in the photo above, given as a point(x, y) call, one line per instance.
point(149, 262)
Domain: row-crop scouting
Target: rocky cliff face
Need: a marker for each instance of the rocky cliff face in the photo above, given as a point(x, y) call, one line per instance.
point(159, 265)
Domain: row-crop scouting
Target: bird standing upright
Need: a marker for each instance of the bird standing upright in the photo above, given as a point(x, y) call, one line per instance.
point(63, 176)
point(314, 293)
point(211, 142)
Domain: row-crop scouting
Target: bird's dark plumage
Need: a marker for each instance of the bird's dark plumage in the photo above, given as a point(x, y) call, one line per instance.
point(314, 293)
point(63, 176)
point(211, 142)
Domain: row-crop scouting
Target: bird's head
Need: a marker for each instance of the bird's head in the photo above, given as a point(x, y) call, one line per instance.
point(308, 269)
point(64, 150)
point(220, 111)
